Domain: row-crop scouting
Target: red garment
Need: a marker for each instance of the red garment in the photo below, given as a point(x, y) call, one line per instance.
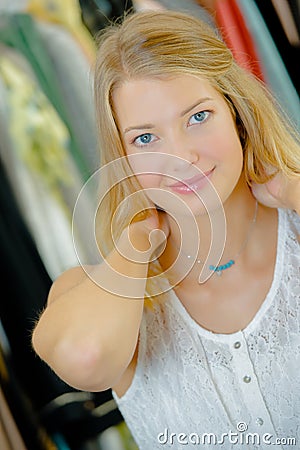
point(233, 28)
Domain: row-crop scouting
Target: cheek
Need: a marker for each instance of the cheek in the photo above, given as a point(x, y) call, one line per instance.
point(148, 180)
point(227, 148)
point(151, 185)
point(147, 167)
point(235, 152)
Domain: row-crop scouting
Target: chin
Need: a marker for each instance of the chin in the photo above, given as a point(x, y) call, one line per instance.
point(193, 207)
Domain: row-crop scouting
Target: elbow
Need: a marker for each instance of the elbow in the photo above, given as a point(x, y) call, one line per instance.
point(87, 366)
point(83, 365)
point(79, 364)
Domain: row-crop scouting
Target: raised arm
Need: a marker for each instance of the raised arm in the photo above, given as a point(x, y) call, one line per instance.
point(87, 334)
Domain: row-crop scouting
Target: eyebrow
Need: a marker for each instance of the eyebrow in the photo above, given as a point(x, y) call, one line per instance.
point(146, 126)
point(149, 126)
point(198, 102)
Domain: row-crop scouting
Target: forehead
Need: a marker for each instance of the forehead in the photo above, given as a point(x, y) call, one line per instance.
point(147, 96)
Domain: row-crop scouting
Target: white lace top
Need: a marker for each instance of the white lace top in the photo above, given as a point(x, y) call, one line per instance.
point(225, 391)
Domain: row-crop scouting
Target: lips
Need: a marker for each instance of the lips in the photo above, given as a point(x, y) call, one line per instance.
point(192, 184)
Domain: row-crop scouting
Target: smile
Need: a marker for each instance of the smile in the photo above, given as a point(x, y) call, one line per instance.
point(193, 184)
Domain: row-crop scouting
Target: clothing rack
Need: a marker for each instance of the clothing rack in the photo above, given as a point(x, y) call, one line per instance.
point(43, 166)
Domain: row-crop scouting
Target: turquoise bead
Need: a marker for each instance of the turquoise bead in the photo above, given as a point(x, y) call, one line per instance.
point(222, 266)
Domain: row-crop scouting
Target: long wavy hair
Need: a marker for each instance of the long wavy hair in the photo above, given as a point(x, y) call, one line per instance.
point(165, 44)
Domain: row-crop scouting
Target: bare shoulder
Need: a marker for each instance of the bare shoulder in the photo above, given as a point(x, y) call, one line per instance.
point(66, 281)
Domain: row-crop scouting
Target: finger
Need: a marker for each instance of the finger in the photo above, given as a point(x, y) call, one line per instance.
point(264, 196)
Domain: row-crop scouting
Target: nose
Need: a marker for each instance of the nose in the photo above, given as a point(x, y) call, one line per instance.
point(184, 150)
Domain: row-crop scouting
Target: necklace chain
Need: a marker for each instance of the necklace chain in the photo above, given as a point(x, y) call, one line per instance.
point(220, 268)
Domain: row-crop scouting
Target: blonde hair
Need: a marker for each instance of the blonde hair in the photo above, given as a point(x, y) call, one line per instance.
point(165, 44)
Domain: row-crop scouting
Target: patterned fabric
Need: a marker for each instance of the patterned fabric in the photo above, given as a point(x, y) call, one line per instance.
point(192, 381)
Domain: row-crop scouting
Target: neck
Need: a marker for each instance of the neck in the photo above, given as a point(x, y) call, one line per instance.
point(228, 226)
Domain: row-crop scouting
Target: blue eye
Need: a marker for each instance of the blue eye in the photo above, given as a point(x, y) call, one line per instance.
point(144, 139)
point(199, 117)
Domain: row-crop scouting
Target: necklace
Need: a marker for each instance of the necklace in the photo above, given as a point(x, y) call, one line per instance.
point(220, 268)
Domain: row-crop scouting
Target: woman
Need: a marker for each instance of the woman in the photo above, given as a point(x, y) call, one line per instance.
point(187, 131)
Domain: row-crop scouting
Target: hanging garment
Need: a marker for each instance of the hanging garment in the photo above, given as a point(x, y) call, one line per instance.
point(244, 30)
point(209, 6)
point(19, 429)
point(22, 374)
point(288, 19)
point(29, 283)
point(294, 6)
point(19, 31)
point(39, 165)
point(68, 15)
point(236, 35)
point(10, 438)
point(44, 407)
point(275, 71)
point(188, 6)
point(75, 78)
point(97, 14)
point(288, 51)
point(53, 406)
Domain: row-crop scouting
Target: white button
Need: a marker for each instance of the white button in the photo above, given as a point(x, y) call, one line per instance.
point(259, 421)
point(237, 344)
point(246, 379)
